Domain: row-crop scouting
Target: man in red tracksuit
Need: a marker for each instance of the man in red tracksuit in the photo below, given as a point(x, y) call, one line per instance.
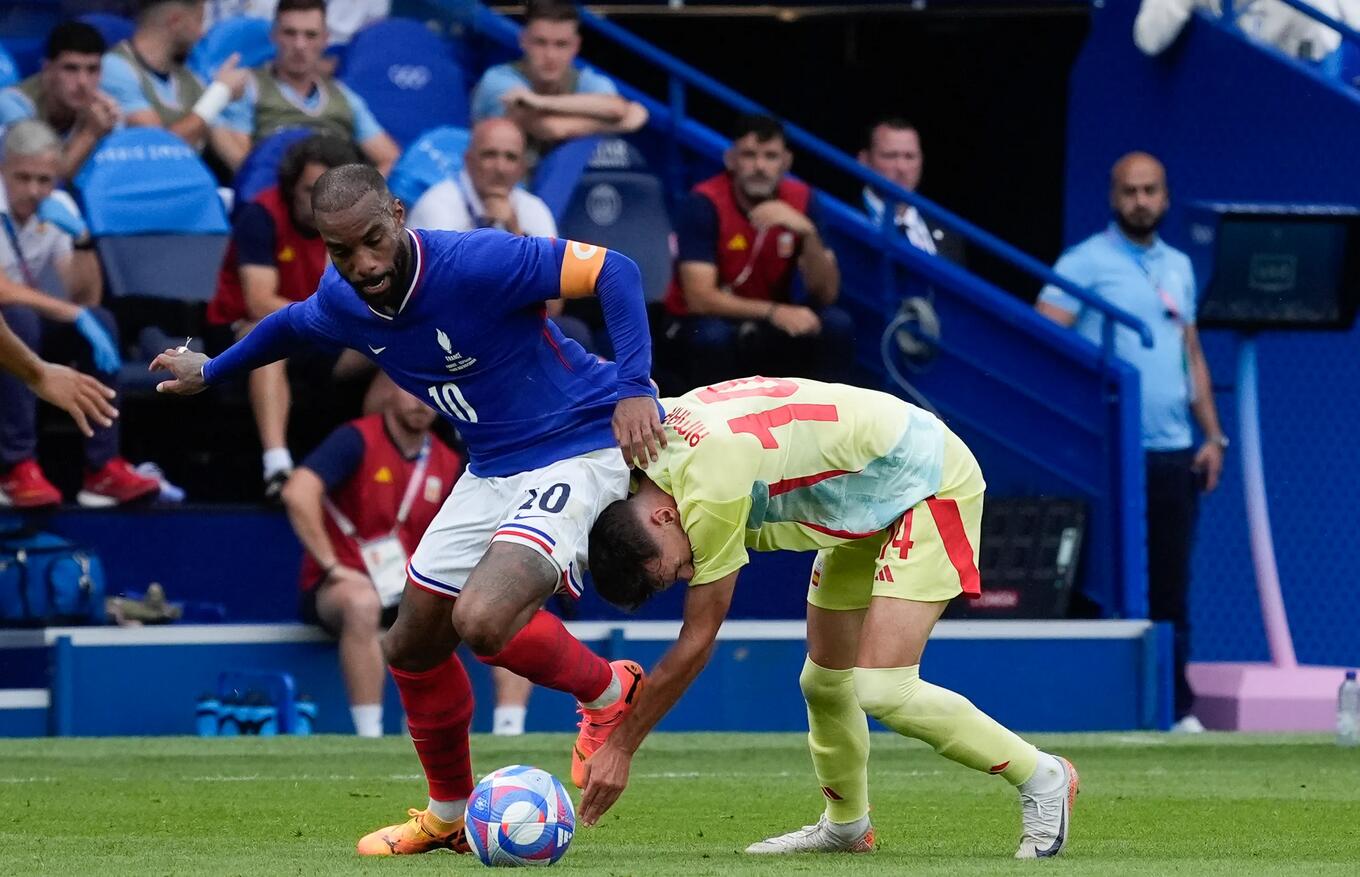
point(359, 504)
point(743, 236)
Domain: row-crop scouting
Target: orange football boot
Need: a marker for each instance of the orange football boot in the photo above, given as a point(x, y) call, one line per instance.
point(597, 725)
point(421, 833)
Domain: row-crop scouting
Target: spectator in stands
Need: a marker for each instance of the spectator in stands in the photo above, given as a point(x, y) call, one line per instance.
point(296, 89)
point(487, 194)
point(545, 93)
point(50, 287)
point(1159, 22)
point(65, 94)
point(344, 18)
point(743, 235)
point(359, 504)
point(276, 257)
point(1129, 265)
point(893, 150)
point(146, 75)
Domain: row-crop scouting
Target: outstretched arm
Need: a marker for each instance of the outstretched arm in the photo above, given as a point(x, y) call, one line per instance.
point(607, 770)
point(272, 339)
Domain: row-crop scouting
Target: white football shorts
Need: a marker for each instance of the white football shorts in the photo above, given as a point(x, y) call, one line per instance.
point(549, 510)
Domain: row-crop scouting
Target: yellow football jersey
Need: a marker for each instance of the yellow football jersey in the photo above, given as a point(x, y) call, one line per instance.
point(790, 464)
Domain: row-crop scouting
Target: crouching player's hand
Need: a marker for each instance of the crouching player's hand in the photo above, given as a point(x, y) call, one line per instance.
point(606, 778)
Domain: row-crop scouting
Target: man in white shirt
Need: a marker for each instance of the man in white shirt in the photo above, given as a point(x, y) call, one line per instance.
point(487, 192)
point(50, 288)
point(1159, 22)
point(893, 150)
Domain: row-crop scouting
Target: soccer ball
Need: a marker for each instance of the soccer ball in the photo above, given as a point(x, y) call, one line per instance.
point(519, 816)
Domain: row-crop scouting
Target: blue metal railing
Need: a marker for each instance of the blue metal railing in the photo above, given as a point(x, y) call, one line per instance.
point(681, 75)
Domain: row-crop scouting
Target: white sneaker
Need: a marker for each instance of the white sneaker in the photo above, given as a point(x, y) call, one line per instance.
point(1188, 725)
point(819, 838)
point(1044, 818)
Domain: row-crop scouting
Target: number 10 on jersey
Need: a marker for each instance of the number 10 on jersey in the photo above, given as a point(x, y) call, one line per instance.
point(451, 403)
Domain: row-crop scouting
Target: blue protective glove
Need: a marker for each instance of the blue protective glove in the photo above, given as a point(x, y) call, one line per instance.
point(59, 213)
point(106, 357)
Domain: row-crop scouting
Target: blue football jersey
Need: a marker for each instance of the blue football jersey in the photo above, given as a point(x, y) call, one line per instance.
point(471, 340)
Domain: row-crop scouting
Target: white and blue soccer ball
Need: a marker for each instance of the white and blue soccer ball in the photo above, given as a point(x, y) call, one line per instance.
point(519, 816)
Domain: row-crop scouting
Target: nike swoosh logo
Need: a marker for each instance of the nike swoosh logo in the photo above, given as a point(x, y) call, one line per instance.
point(377, 350)
point(528, 517)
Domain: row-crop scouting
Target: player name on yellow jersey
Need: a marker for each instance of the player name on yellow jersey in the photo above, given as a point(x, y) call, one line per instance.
point(792, 464)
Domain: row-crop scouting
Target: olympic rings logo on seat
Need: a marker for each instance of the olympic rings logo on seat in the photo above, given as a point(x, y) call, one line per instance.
point(411, 77)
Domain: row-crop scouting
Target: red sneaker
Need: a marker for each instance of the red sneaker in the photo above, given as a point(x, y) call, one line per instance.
point(117, 483)
point(26, 487)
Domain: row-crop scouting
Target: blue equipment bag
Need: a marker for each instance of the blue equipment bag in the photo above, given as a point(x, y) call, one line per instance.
point(46, 580)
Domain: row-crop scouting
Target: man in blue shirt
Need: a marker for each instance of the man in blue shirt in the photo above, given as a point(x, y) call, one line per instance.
point(545, 93)
point(457, 320)
point(65, 94)
point(1129, 265)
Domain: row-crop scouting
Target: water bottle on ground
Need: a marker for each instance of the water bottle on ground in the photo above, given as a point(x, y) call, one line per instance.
point(1348, 712)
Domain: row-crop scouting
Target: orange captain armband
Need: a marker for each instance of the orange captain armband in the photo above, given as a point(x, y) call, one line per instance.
point(581, 265)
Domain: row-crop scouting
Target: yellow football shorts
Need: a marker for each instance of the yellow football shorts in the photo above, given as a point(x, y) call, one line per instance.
point(929, 554)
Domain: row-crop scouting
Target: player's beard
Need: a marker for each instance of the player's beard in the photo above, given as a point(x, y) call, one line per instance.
point(390, 300)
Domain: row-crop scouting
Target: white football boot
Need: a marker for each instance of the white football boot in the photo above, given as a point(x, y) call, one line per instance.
point(1045, 817)
point(819, 838)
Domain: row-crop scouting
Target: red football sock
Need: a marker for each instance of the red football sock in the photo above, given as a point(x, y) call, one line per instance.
point(546, 654)
point(438, 707)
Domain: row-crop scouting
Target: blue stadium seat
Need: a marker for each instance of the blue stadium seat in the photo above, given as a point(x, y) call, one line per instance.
point(408, 76)
point(619, 204)
point(9, 71)
point(113, 28)
point(248, 36)
point(436, 155)
point(260, 170)
point(153, 209)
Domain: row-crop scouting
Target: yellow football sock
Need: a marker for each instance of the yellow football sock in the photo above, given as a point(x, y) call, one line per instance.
point(900, 699)
point(838, 737)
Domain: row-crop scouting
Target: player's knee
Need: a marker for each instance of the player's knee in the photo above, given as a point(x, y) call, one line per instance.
point(821, 686)
point(479, 628)
point(881, 692)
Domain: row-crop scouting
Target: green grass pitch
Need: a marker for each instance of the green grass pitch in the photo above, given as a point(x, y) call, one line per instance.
point(1150, 804)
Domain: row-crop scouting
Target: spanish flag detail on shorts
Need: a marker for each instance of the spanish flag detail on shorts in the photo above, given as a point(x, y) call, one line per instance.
point(383, 475)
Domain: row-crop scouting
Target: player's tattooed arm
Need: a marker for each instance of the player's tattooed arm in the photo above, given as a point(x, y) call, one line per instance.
point(607, 770)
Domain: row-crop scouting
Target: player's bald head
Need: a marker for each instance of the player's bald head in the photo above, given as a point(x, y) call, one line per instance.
point(351, 185)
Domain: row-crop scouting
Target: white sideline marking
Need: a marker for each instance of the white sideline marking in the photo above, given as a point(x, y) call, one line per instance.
point(637, 631)
point(24, 699)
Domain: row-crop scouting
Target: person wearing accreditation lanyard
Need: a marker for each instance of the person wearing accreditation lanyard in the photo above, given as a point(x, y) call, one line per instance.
point(457, 320)
point(359, 505)
point(50, 291)
point(891, 501)
point(1129, 265)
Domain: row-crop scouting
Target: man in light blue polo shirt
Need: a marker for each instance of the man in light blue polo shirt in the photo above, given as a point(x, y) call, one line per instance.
point(545, 93)
point(1130, 266)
